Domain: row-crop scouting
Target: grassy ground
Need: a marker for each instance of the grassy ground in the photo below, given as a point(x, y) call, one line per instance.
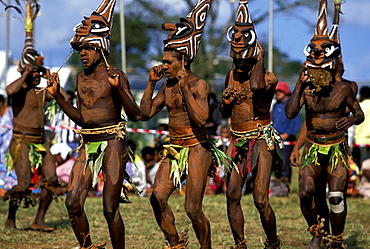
point(143, 232)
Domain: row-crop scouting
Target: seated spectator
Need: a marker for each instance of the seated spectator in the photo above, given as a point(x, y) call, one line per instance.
point(151, 159)
point(7, 180)
point(136, 170)
point(364, 187)
point(6, 130)
point(64, 160)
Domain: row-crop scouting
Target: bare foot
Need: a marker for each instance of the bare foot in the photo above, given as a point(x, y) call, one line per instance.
point(10, 224)
point(43, 228)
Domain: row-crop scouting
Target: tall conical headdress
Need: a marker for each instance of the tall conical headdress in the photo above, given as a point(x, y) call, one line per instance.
point(29, 53)
point(96, 29)
point(324, 47)
point(334, 33)
point(186, 35)
point(242, 35)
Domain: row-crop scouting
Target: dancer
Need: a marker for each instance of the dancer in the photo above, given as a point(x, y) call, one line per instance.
point(28, 152)
point(326, 98)
point(102, 92)
point(186, 97)
point(255, 145)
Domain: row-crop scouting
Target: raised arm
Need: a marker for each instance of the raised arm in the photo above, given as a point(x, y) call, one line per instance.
point(258, 75)
point(119, 81)
point(70, 110)
point(150, 107)
point(296, 100)
point(17, 85)
point(196, 98)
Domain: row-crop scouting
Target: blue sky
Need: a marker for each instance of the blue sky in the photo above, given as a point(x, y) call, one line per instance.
point(54, 30)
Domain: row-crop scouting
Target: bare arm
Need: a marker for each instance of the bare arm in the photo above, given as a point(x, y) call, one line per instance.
point(150, 107)
point(70, 110)
point(294, 156)
point(118, 80)
point(228, 98)
point(296, 100)
point(16, 85)
point(196, 99)
point(358, 116)
point(258, 75)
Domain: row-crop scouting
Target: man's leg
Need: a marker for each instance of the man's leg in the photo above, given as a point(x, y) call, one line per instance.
point(162, 188)
point(48, 172)
point(337, 197)
point(78, 187)
point(23, 171)
point(312, 189)
point(200, 160)
point(260, 192)
point(114, 168)
point(234, 185)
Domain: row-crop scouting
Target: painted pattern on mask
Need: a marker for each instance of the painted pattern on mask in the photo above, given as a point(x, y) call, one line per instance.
point(323, 47)
point(29, 54)
point(96, 29)
point(242, 35)
point(186, 35)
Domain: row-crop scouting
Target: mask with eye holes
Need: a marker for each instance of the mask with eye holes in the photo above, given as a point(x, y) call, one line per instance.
point(324, 48)
point(96, 29)
point(242, 35)
point(186, 35)
point(29, 54)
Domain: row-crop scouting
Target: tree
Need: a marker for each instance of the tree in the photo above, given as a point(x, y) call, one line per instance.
point(213, 56)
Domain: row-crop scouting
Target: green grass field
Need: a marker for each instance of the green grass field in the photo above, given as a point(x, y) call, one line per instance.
point(143, 232)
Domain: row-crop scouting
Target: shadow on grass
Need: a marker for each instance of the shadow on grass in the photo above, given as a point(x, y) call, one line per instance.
point(60, 224)
point(352, 241)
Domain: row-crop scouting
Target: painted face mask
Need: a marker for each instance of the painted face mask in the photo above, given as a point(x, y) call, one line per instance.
point(96, 29)
point(29, 54)
point(323, 49)
point(242, 35)
point(186, 35)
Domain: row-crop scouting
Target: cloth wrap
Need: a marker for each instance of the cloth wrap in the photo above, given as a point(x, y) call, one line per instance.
point(95, 141)
point(245, 147)
point(327, 144)
point(34, 138)
point(178, 151)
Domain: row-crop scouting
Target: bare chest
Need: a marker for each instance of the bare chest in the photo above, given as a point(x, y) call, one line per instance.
point(91, 91)
point(324, 103)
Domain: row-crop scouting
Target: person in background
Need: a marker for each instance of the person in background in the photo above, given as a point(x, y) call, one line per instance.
point(6, 131)
point(64, 160)
point(161, 139)
point(150, 159)
point(135, 168)
point(362, 131)
point(28, 151)
point(288, 128)
point(364, 187)
point(214, 118)
point(64, 127)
